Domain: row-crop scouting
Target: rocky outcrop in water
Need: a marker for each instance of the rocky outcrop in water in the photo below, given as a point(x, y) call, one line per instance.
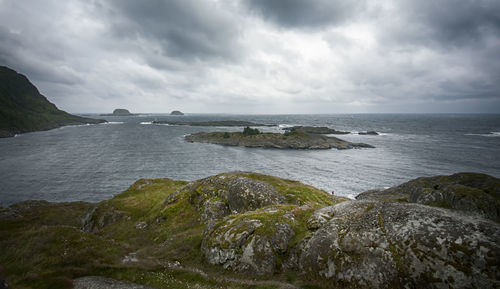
point(119, 112)
point(316, 130)
point(228, 123)
point(368, 133)
point(295, 140)
point(176, 112)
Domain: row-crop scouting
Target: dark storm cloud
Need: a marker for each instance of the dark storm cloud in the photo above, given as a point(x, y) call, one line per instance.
point(38, 62)
point(249, 55)
point(188, 29)
point(305, 14)
point(447, 22)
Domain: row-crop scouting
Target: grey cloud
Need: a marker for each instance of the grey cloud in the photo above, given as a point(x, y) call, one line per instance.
point(457, 22)
point(36, 62)
point(306, 14)
point(190, 30)
point(209, 55)
point(443, 24)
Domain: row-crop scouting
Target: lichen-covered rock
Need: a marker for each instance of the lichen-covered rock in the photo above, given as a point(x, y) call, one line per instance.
point(320, 217)
point(245, 194)
point(374, 244)
point(467, 192)
point(281, 237)
point(220, 246)
point(218, 196)
point(257, 257)
point(254, 241)
point(213, 210)
point(93, 221)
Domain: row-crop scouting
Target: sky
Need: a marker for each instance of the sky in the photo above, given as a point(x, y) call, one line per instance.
point(258, 56)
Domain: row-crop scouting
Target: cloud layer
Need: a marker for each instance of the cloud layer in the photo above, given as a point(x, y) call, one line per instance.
point(255, 56)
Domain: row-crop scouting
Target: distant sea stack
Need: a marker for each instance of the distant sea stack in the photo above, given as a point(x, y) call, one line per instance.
point(24, 109)
point(176, 112)
point(119, 112)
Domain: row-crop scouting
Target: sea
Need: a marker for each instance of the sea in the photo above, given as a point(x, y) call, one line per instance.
point(95, 162)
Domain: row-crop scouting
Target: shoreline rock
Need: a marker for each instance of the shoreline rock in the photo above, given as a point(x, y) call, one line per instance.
point(297, 140)
point(371, 132)
point(316, 130)
point(228, 123)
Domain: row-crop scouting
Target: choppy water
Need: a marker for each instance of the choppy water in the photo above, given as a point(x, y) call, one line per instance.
point(95, 162)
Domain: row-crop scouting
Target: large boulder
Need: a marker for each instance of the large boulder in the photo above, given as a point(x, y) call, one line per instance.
point(245, 194)
point(218, 196)
point(467, 192)
point(374, 244)
point(251, 242)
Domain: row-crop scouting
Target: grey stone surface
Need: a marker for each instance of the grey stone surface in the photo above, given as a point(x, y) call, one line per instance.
point(374, 244)
point(96, 282)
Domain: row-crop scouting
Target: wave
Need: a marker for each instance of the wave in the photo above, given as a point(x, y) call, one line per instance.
point(113, 122)
point(351, 196)
point(490, 134)
point(147, 122)
point(282, 126)
point(75, 125)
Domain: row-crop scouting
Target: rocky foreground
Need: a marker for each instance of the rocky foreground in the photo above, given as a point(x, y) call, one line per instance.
point(296, 140)
point(246, 230)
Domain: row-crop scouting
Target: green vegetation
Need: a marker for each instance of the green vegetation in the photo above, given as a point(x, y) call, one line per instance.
point(250, 131)
point(46, 245)
point(24, 109)
point(290, 132)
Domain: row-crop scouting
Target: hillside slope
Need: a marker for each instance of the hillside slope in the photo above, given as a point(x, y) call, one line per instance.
point(24, 109)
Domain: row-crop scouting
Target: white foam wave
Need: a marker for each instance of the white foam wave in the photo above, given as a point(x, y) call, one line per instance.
point(165, 124)
point(490, 134)
point(146, 122)
point(282, 126)
point(351, 196)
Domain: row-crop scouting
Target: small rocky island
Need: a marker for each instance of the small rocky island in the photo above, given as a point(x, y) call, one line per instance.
point(295, 139)
point(24, 109)
point(176, 112)
point(228, 123)
point(119, 112)
point(316, 130)
point(245, 230)
point(371, 132)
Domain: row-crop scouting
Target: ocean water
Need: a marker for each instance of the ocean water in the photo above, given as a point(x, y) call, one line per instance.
point(95, 162)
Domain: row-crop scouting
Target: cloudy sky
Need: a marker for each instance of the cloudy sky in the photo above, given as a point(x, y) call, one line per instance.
point(257, 56)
